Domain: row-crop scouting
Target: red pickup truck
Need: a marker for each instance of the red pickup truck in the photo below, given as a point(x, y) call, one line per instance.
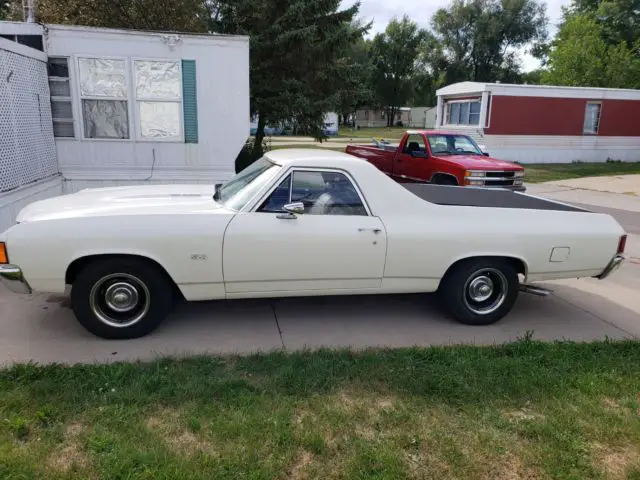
point(443, 158)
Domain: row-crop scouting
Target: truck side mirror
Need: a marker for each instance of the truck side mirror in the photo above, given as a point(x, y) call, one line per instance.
point(486, 154)
point(419, 154)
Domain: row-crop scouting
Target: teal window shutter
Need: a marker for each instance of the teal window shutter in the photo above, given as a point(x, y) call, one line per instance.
point(190, 101)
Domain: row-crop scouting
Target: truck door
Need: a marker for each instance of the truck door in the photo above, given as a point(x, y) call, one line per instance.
point(412, 163)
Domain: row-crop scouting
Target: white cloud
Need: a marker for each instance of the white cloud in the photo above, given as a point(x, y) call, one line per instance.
point(421, 11)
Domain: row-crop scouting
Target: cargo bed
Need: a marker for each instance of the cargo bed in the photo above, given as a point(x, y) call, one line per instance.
point(484, 197)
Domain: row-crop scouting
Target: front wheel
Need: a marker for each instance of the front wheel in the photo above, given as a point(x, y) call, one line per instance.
point(121, 298)
point(480, 291)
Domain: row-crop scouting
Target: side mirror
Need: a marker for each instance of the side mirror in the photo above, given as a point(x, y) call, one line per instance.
point(295, 208)
point(419, 154)
point(291, 211)
point(486, 154)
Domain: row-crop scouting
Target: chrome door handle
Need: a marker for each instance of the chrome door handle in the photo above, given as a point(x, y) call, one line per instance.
point(374, 230)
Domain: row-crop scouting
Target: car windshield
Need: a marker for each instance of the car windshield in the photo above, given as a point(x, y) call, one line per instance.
point(453, 145)
point(244, 185)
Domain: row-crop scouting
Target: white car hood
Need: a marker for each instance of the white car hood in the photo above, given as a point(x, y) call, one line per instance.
point(136, 200)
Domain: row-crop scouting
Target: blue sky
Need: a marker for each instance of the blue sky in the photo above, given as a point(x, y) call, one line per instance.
point(381, 11)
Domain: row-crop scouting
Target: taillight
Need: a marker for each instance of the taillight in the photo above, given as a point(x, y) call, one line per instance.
point(621, 244)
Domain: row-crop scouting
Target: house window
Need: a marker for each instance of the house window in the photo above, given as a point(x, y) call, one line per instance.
point(463, 112)
point(592, 118)
point(60, 89)
point(103, 93)
point(158, 90)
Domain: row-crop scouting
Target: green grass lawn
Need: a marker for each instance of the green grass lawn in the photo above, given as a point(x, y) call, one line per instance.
point(369, 133)
point(548, 172)
point(523, 410)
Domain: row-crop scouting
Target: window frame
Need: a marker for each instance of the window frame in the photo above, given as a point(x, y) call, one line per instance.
point(586, 110)
point(447, 116)
point(422, 138)
point(136, 100)
point(57, 98)
point(252, 207)
point(128, 89)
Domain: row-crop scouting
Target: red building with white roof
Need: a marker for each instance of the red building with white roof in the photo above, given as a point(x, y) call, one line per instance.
point(539, 124)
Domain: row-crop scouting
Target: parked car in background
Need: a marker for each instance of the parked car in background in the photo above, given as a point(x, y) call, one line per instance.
point(298, 223)
point(443, 158)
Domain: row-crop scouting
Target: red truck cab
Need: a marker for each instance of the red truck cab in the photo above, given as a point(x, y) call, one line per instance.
point(444, 158)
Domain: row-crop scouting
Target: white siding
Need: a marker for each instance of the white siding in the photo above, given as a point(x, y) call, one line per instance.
point(27, 148)
point(28, 166)
point(472, 88)
point(222, 66)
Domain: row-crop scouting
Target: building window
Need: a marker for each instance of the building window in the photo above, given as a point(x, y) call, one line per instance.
point(463, 112)
point(60, 90)
point(103, 93)
point(158, 89)
point(592, 118)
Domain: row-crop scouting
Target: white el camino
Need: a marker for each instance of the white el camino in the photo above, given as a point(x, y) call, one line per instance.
point(298, 223)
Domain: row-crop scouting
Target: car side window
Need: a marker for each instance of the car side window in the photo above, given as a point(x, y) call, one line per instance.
point(415, 143)
point(278, 198)
point(321, 193)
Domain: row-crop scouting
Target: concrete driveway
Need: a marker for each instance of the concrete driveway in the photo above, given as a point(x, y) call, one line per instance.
point(42, 329)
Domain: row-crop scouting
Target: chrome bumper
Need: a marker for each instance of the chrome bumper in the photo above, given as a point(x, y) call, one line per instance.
point(614, 264)
point(12, 277)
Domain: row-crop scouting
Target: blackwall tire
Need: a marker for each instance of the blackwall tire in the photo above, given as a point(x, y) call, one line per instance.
point(121, 298)
point(480, 291)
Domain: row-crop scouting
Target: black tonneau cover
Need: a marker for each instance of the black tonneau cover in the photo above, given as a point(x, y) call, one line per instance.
point(483, 197)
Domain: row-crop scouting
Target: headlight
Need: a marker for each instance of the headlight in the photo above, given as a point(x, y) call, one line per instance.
point(519, 173)
point(475, 173)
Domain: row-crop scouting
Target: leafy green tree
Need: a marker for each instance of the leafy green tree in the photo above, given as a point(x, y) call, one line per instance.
point(394, 54)
point(619, 19)
point(355, 77)
point(580, 56)
point(480, 38)
point(296, 52)
point(4, 9)
point(534, 77)
point(181, 15)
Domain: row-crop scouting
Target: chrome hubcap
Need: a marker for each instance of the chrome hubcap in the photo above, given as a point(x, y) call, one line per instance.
point(481, 288)
point(121, 297)
point(485, 291)
point(119, 300)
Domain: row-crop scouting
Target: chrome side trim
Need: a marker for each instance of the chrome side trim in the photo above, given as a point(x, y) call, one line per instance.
point(614, 264)
point(11, 276)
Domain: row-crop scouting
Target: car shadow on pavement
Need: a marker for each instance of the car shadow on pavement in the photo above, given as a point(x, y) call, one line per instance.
point(42, 329)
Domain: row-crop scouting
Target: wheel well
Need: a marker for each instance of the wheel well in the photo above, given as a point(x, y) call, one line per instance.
point(517, 263)
point(438, 176)
point(80, 263)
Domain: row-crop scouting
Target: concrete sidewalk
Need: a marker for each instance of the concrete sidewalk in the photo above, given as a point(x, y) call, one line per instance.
point(621, 184)
point(568, 194)
point(43, 330)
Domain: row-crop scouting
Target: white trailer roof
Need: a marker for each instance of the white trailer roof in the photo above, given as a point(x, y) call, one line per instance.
point(507, 89)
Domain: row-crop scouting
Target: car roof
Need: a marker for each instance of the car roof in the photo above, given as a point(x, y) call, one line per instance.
point(312, 157)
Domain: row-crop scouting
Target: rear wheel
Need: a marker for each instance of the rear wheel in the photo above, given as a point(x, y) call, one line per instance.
point(480, 291)
point(121, 298)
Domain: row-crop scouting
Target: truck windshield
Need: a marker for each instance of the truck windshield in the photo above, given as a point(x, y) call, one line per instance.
point(453, 145)
point(244, 185)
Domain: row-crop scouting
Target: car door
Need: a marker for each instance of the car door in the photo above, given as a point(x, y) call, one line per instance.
point(412, 163)
point(335, 246)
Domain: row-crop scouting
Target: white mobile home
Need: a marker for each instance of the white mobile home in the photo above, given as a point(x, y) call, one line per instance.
point(117, 107)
